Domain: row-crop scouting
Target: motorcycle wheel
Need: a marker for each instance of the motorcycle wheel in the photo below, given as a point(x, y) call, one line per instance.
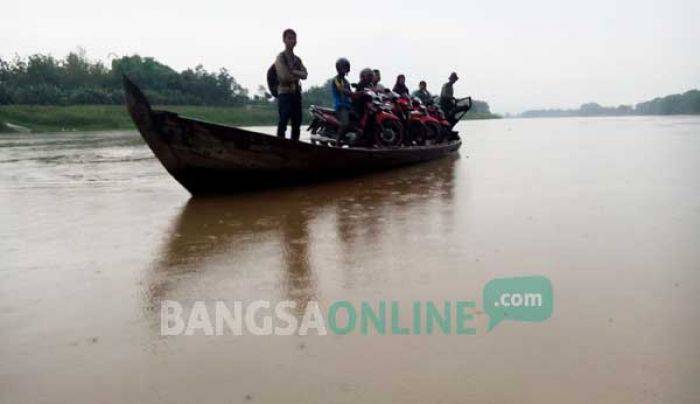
point(416, 134)
point(388, 134)
point(434, 132)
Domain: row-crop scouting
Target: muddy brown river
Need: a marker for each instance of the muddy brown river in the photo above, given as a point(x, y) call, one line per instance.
point(95, 236)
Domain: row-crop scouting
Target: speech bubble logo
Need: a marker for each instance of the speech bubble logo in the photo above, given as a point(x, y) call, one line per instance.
point(527, 298)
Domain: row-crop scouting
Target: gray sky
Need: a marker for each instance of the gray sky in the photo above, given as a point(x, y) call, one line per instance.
point(516, 55)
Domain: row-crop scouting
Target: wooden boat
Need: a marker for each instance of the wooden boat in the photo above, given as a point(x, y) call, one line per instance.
point(210, 158)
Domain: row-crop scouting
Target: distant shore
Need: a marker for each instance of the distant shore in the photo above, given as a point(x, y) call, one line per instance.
point(596, 116)
point(687, 103)
point(40, 118)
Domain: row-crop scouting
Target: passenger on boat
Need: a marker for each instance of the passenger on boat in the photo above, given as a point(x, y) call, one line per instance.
point(376, 81)
point(400, 86)
point(290, 70)
point(366, 79)
point(358, 103)
point(422, 93)
point(447, 95)
point(341, 96)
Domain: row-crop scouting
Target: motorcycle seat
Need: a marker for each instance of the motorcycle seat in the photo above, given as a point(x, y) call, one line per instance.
point(327, 110)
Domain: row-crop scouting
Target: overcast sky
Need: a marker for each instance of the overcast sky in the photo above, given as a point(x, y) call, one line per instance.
point(516, 55)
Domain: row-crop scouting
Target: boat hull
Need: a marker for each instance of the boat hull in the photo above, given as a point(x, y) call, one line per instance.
point(208, 158)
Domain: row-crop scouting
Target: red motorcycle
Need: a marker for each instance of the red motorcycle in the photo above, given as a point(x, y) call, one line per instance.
point(414, 128)
point(448, 121)
point(445, 127)
point(376, 127)
point(433, 128)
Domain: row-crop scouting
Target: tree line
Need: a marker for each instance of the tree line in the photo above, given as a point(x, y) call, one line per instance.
point(75, 80)
point(687, 103)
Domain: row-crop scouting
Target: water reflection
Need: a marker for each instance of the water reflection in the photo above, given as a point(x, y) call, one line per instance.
point(275, 237)
point(298, 281)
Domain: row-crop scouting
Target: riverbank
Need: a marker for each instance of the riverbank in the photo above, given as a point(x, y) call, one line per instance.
point(480, 115)
point(114, 117)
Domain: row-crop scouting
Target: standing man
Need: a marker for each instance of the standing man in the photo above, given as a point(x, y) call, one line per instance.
point(447, 95)
point(290, 70)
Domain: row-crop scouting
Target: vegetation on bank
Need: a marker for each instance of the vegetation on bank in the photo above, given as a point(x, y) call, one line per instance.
point(75, 80)
point(39, 118)
point(687, 103)
point(44, 93)
point(480, 115)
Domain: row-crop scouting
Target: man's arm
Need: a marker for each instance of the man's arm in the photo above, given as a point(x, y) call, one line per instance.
point(284, 75)
point(300, 70)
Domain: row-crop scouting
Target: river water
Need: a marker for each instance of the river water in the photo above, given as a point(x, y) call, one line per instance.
point(94, 235)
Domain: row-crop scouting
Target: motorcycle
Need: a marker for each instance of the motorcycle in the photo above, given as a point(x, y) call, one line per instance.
point(376, 127)
point(421, 126)
point(433, 129)
point(414, 128)
point(445, 127)
point(449, 119)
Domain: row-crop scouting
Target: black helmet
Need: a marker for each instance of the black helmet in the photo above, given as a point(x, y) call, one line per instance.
point(342, 64)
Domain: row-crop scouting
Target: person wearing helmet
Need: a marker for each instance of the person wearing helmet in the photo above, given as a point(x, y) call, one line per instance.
point(447, 95)
point(341, 96)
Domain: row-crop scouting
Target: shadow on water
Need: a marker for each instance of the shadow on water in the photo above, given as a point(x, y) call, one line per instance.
point(285, 225)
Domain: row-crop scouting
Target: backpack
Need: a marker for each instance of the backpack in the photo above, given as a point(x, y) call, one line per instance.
point(272, 80)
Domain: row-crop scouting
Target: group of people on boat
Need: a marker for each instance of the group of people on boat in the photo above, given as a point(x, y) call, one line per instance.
point(422, 93)
point(290, 71)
